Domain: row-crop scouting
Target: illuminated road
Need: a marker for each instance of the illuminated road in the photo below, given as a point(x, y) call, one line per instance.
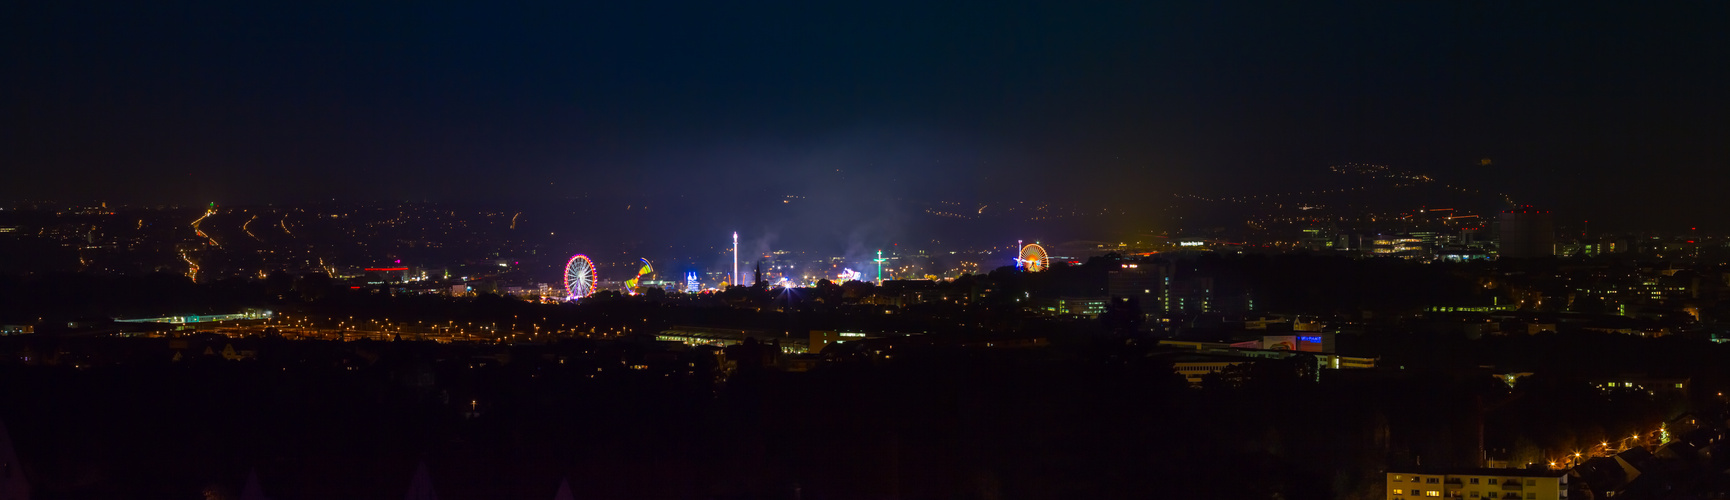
point(192, 267)
point(285, 226)
point(195, 229)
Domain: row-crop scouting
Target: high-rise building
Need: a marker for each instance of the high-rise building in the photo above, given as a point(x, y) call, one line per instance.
point(1526, 233)
point(1143, 280)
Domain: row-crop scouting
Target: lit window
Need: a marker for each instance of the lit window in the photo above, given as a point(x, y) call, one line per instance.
point(1398, 491)
point(1433, 493)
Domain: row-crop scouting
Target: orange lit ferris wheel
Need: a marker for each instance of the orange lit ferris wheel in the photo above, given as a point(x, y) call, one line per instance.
point(1034, 259)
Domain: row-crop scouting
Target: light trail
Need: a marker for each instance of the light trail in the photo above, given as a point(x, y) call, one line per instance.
point(195, 229)
point(514, 220)
point(248, 231)
point(285, 226)
point(192, 267)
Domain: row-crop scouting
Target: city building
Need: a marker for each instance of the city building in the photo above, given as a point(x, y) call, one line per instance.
point(1196, 360)
point(1144, 281)
point(1086, 307)
point(822, 338)
point(1319, 346)
point(1408, 246)
point(1283, 323)
point(1192, 296)
point(722, 337)
point(1312, 342)
point(1527, 233)
point(206, 318)
point(1499, 484)
point(1317, 239)
point(1194, 366)
point(1666, 287)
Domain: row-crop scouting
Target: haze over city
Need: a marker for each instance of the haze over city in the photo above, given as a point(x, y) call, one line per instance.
point(1609, 111)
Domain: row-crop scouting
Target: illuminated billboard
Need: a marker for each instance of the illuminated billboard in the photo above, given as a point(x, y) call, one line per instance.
point(1320, 342)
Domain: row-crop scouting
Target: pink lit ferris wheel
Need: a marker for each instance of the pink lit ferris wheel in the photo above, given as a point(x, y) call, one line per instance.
point(579, 277)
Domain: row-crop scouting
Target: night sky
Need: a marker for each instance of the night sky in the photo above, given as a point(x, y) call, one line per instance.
point(1599, 109)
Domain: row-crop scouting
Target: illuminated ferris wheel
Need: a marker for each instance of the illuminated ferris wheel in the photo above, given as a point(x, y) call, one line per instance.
point(1034, 259)
point(579, 277)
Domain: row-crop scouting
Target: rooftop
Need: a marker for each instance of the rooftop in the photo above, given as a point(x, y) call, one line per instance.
point(1480, 471)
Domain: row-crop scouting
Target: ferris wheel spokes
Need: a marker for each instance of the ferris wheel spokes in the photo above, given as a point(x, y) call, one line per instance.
point(1033, 258)
point(579, 277)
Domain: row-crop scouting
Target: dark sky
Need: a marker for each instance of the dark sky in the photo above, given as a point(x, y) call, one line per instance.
point(1600, 109)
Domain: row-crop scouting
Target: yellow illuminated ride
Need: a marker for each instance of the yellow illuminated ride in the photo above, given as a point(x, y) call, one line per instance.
point(1034, 259)
point(646, 270)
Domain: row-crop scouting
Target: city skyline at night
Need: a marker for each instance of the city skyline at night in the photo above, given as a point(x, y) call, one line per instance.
point(1351, 250)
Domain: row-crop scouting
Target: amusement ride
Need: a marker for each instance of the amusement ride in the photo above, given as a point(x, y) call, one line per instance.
point(646, 271)
point(579, 277)
point(1033, 258)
